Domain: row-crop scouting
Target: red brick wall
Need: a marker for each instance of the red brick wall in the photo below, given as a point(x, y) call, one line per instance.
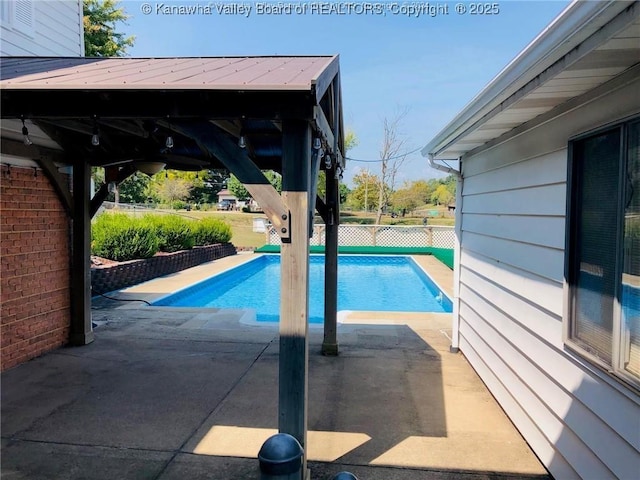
point(35, 262)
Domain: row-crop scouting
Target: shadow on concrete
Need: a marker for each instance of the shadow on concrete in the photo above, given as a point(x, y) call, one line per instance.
point(168, 395)
point(385, 387)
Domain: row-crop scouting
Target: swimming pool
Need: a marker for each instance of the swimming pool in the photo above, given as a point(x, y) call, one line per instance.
point(369, 283)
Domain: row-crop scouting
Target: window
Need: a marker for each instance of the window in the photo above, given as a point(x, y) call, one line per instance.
point(603, 249)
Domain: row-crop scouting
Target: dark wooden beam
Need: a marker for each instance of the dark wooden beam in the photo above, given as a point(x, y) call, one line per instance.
point(33, 152)
point(321, 208)
point(60, 184)
point(294, 288)
point(218, 144)
point(156, 104)
point(314, 170)
point(81, 331)
point(119, 175)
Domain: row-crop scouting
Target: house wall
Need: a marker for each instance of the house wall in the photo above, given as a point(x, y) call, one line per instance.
point(34, 271)
point(34, 227)
point(579, 421)
point(39, 28)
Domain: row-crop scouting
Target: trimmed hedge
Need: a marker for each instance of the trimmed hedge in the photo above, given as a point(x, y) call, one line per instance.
point(174, 233)
point(210, 231)
point(120, 237)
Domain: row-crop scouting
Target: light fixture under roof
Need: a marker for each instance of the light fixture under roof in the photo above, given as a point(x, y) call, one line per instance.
point(150, 168)
point(242, 142)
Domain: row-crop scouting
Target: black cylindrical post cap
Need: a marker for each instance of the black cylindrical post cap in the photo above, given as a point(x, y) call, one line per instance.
point(344, 476)
point(281, 454)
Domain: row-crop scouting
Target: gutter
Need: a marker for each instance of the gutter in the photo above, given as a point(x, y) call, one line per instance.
point(455, 314)
point(443, 168)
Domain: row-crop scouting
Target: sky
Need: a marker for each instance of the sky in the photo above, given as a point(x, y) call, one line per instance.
point(422, 60)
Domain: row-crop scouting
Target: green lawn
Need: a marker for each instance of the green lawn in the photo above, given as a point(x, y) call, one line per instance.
point(244, 237)
point(241, 225)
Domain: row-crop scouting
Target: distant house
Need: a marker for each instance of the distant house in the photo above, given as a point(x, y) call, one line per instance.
point(547, 271)
point(227, 195)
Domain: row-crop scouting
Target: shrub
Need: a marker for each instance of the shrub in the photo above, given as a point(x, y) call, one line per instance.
point(174, 233)
point(119, 237)
point(209, 231)
point(179, 205)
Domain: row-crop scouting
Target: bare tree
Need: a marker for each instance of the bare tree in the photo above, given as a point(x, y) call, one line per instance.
point(391, 160)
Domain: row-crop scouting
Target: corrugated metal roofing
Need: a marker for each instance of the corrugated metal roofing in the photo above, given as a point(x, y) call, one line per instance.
point(212, 73)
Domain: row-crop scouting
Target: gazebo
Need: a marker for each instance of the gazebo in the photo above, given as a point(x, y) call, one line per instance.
point(245, 114)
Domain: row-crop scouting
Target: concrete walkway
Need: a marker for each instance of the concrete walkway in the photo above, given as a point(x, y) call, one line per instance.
point(174, 394)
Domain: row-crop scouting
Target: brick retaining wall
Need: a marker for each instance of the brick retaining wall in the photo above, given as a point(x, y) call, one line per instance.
point(114, 277)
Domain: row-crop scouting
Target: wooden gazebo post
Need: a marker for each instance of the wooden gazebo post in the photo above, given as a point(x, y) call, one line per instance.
point(330, 341)
point(81, 331)
point(294, 303)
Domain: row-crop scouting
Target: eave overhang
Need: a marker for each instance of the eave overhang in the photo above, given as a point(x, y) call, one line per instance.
point(587, 47)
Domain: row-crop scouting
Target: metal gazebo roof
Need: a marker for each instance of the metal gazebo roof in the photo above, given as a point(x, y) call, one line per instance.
point(134, 103)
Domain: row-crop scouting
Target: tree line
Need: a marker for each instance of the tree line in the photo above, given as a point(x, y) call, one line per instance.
point(365, 194)
point(176, 189)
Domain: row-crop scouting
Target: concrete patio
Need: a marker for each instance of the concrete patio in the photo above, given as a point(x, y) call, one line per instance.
point(192, 394)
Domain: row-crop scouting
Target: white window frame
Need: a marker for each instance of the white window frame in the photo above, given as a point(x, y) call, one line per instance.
point(619, 332)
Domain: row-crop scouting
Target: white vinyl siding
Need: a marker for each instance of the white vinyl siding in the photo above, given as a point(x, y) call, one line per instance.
point(580, 422)
point(41, 28)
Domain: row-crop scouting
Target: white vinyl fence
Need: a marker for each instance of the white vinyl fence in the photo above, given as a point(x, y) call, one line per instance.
point(380, 236)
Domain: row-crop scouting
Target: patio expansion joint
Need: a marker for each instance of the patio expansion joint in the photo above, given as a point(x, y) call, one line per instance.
point(16, 439)
point(215, 409)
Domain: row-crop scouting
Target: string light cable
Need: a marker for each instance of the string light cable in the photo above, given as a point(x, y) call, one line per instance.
point(385, 159)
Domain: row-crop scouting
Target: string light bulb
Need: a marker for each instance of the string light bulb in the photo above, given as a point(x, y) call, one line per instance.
point(25, 134)
point(169, 141)
point(95, 138)
point(242, 142)
point(317, 144)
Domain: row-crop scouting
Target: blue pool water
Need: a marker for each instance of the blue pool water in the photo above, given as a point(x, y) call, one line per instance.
point(373, 283)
